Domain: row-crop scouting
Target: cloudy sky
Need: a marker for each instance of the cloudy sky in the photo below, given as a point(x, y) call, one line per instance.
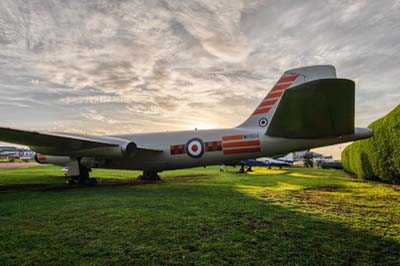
point(154, 65)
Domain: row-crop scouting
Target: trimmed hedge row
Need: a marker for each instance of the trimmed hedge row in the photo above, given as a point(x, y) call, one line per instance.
point(377, 158)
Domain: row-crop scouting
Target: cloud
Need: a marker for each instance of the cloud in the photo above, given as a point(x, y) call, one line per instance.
point(159, 65)
point(94, 99)
point(224, 41)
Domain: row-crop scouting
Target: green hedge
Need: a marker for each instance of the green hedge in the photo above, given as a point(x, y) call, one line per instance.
point(377, 158)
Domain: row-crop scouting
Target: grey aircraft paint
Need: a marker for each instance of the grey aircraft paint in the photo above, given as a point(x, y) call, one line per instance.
point(316, 85)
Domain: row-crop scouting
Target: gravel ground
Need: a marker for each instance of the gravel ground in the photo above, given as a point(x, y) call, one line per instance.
point(4, 166)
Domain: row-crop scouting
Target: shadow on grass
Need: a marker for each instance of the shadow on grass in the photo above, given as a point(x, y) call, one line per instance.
point(178, 224)
point(103, 182)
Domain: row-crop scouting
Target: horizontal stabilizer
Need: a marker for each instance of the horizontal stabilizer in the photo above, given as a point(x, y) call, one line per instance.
point(316, 109)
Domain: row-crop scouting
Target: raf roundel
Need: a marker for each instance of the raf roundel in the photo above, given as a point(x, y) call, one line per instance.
point(195, 148)
point(263, 122)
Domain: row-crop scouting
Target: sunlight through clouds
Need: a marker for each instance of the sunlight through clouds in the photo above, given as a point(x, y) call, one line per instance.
point(160, 65)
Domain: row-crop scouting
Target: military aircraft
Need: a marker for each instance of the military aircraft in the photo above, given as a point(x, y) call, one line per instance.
point(308, 107)
point(9, 152)
point(12, 153)
point(279, 161)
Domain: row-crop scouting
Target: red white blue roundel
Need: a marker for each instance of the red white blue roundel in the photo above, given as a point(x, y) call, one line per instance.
point(195, 148)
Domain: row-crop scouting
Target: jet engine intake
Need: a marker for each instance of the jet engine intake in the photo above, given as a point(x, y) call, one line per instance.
point(129, 150)
point(122, 150)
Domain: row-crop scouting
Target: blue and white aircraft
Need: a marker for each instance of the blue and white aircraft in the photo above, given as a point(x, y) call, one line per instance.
point(269, 162)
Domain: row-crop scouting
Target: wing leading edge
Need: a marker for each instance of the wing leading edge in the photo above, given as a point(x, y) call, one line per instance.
point(73, 144)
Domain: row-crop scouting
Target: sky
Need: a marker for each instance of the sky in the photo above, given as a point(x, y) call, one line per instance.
point(105, 67)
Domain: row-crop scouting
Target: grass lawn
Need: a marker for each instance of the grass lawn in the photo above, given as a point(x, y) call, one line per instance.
point(198, 217)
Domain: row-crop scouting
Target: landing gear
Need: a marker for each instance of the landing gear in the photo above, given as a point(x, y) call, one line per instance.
point(78, 180)
point(79, 174)
point(244, 170)
point(150, 175)
point(83, 178)
point(241, 169)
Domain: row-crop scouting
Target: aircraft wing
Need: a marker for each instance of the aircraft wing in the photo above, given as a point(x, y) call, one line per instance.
point(73, 144)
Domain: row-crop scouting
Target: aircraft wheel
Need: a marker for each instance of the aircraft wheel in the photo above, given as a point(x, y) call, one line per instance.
point(83, 178)
point(73, 180)
point(150, 175)
point(84, 172)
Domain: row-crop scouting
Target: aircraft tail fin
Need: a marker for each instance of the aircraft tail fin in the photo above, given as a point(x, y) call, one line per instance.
point(287, 158)
point(266, 109)
point(307, 102)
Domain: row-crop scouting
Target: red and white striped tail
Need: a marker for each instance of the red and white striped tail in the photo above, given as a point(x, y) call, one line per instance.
point(275, 94)
point(261, 117)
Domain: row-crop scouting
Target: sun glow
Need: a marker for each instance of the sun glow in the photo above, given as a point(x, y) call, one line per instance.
point(201, 125)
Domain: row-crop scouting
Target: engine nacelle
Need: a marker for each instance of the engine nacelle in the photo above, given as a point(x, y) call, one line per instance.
point(65, 160)
point(121, 151)
point(129, 150)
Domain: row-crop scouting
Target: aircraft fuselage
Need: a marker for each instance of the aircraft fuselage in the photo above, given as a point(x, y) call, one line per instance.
point(187, 149)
